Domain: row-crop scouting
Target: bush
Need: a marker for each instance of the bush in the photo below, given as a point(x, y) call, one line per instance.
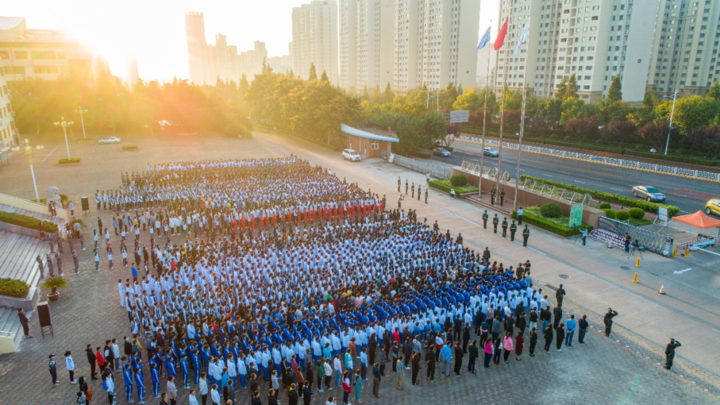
point(423, 155)
point(129, 147)
point(14, 288)
point(612, 198)
point(605, 205)
point(637, 213)
point(551, 210)
point(640, 146)
point(553, 136)
point(458, 180)
point(445, 186)
point(610, 213)
point(681, 151)
point(622, 215)
point(26, 221)
point(65, 161)
point(568, 138)
point(547, 224)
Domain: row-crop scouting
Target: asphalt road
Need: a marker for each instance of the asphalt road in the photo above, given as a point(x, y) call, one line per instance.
point(591, 175)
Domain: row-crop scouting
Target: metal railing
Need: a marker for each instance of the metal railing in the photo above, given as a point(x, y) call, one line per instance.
point(422, 167)
point(487, 172)
point(652, 241)
point(632, 164)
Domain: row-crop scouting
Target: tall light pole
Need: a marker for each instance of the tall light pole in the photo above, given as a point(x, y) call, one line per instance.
point(65, 124)
point(672, 114)
point(28, 151)
point(82, 121)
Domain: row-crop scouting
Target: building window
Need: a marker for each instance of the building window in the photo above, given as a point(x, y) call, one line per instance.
point(374, 146)
point(39, 70)
point(14, 70)
point(20, 55)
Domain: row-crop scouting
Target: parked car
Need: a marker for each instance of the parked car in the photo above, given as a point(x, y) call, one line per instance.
point(713, 206)
point(492, 152)
point(111, 139)
point(351, 155)
point(649, 193)
point(441, 152)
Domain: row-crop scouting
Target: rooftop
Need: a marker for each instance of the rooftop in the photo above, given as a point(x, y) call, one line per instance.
point(370, 130)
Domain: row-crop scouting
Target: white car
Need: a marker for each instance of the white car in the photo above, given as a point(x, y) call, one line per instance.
point(111, 139)
point(351, 155)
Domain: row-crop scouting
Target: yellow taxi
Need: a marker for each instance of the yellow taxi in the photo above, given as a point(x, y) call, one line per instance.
point(713, 206)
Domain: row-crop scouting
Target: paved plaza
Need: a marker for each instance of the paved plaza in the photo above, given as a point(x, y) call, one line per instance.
point(621, 370)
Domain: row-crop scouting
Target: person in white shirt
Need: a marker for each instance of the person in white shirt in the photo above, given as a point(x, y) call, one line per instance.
point(70, 366)
point(215, 395)
point(192, 399)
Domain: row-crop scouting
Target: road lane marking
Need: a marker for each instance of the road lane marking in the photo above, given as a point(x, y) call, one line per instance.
point(712, 253)
point(682, 271)
point(48, 155)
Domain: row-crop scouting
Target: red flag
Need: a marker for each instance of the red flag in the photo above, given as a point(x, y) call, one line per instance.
point(501, 35)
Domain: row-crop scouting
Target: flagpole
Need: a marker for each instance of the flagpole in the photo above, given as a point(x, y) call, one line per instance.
point(522, 122)
point(482, 147)
point(502, 119)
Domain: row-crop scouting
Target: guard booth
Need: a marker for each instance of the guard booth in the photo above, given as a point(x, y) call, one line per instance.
point(369, 139)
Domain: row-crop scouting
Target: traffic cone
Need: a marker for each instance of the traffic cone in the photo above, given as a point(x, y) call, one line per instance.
point(674, 252)
point(635, 280)
point(662, 289)
point(687, 251)
point(637, 263)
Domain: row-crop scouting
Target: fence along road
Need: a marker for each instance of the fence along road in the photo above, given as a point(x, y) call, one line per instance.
point(631, 164)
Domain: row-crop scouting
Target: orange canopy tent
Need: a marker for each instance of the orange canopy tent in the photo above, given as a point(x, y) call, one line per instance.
point(698, 220)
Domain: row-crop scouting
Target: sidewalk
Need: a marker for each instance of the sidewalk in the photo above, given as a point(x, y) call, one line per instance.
point(593, 276)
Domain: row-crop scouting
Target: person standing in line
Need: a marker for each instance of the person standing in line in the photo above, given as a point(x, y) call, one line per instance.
point(495, 223)
point(497, 350)
point(520, 215)
point(533, 342)
point(560, 334)
point(399, 182)
point(608, 320)
point(570, 328)
point(25, 322)
point(548, 339)
point(474, 354)
point(109, 386)
point(41, 267)
point(459, 354)
point(526, 235)
point(627, 242)
point(446, 355)
point(519, 344)
point(52, 367)
point(670, 352)
point(557, 315)
point(485, 217)
point(192, 399)
point(400, 370)
point(488, 353)
point(128, 380)
point(358, 385)
point(513, 230)
point(92, 360)
point(507, 346)
point(203, 388)
point(96, 256)
point(560, 295)
point(377, 378)
point(172, 390)
point(76, 263)
point(70, 364)
point(582, 326)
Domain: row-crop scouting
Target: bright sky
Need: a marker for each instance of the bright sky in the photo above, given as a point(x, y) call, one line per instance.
point(154, 30)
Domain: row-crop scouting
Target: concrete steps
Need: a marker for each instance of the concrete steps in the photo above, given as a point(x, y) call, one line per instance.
point(11, 332)
point(17, 257)
point(44, 217)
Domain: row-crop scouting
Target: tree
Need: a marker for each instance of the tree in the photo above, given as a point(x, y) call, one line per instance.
point(571, 91)
point(572, 108)
point(618, 131)
point(324, 77)
point(389, 96)
point(714, 92)
point(469, 101)
point(615, 91)
point(313, 73)
point(609, 111)
point(583, 128)
point(655, 133)
point(690, 112)
point(706, 139)
point(562, 88)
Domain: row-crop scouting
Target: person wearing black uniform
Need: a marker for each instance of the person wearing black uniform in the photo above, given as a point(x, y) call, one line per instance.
point(419, 189)
point(399, 182)
point(496, 221)
point(426, 195)
point(459, 239)
point(412, 190)
point(504, 227)
point(492, 196)
point(502, 196)
point(406, 186)
point(526, 235)
point(436, 227)
point(670, 352)
point(608, 320)
point(513, 229)
point(485, 218)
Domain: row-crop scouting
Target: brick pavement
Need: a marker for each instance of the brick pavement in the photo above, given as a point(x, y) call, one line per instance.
point(601, 372)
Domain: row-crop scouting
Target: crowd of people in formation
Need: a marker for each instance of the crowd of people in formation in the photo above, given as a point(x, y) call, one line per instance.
point(277, 280)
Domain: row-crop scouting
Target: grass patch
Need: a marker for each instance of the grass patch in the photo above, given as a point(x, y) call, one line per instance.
point(641, 221)
point(129, 147)
point(14, 288)
point(559, 226)
point(26, 222)
point(65, 161)
point(444, 185)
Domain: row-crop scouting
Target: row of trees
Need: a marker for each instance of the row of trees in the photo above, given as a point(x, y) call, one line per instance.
point(113, 106)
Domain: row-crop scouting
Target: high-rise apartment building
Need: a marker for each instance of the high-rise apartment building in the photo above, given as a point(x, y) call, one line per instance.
point(593, 39)
point(369, 43)
point(45, 54)
point(8, 132)
point(315, 39)
point(197, 47)
point(685, 47)
point(435, 43)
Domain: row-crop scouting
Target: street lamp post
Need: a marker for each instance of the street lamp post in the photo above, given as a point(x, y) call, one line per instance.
point(28, 152)
point(672, 114)
point(65, 124)
point(82, 120)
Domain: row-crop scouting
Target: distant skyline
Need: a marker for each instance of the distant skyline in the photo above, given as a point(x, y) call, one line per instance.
point(154, 31)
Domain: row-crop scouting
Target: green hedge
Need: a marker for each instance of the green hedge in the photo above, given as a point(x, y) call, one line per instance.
point(458, 180)
point(14, 288)
point(636, 213)
point(129, 147)
point(65, 161)
point(548, 225)
point(444, 185)
point(610, 213)
point(622, 215)
point(607, 197)
point(26, 221)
